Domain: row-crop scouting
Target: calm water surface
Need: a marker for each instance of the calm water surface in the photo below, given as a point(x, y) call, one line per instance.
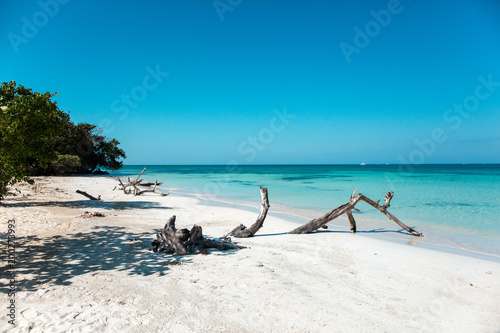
point(453, 205)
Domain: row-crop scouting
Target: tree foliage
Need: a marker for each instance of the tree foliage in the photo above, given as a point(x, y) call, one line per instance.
point(36, 137)
point(29, 123)
point(94, 150)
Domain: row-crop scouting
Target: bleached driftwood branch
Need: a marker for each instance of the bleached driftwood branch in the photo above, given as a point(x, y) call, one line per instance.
point(149, 184)
point(243, 232)
point(347, 208)
point(134, 186)
point(88, 195)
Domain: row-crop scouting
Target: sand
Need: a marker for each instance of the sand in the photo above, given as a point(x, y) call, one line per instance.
point(99, 275)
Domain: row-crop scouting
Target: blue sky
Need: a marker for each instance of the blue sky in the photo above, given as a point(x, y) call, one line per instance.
point(268, 82)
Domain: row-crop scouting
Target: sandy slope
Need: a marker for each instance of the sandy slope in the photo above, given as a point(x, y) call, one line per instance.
point(98, 275)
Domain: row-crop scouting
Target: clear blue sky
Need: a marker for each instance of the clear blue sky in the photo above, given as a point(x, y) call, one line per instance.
point(230, 65)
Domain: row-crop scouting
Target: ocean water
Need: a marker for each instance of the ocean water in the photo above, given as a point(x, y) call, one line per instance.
point(455, 206)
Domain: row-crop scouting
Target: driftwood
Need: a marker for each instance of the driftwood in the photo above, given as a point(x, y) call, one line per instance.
point(10, 192)
point(241, 231)
point(134, 184)
point(154, 190)
point(149, 184)
point(90, 214)
point(88, 195)
point(184, 241)
point(347, 208)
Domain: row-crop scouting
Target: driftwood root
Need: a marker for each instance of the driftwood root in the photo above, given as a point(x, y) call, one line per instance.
point(183, 241)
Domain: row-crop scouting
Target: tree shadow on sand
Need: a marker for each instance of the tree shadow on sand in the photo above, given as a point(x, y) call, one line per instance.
point(90, 204)
point(55, 260)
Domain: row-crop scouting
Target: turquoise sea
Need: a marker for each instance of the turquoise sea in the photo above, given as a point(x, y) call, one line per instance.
point(454, 206)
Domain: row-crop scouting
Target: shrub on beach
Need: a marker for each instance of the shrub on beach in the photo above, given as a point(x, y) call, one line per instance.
point(37, 138)
point(65, 164)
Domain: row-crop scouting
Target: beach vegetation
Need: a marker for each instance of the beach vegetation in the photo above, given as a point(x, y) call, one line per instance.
point(37, 138)
point(66, 164)
point(94, 151)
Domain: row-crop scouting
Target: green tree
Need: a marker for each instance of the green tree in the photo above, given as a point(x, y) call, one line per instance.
point(105, 154)
point(66, 164)
point(37, 138)
point(93, 150)
point(29, 124)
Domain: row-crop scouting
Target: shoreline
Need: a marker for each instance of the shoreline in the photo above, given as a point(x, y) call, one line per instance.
point(97, 274)
point(390, 232)
point(459, 219)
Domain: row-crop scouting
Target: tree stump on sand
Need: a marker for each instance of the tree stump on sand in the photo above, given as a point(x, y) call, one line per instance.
point(184, 241)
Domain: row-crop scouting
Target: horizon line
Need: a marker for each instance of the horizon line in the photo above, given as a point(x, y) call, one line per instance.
point(300, 164)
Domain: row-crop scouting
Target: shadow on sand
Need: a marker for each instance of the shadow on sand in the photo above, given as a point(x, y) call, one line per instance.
point(55, 260)
point(118, 205)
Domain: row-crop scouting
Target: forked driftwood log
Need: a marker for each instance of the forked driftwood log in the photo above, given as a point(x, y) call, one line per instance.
point(183, 241)
point(149, 184)
point(132, 183)
point(134, 186)
point(154, 190)
point(88, 195)
point(347, 208)
point(242, 231)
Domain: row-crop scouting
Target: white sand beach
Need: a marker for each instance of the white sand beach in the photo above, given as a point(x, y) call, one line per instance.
point(98, 274)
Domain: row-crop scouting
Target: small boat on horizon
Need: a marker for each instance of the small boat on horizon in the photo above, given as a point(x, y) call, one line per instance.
point(363, 163)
